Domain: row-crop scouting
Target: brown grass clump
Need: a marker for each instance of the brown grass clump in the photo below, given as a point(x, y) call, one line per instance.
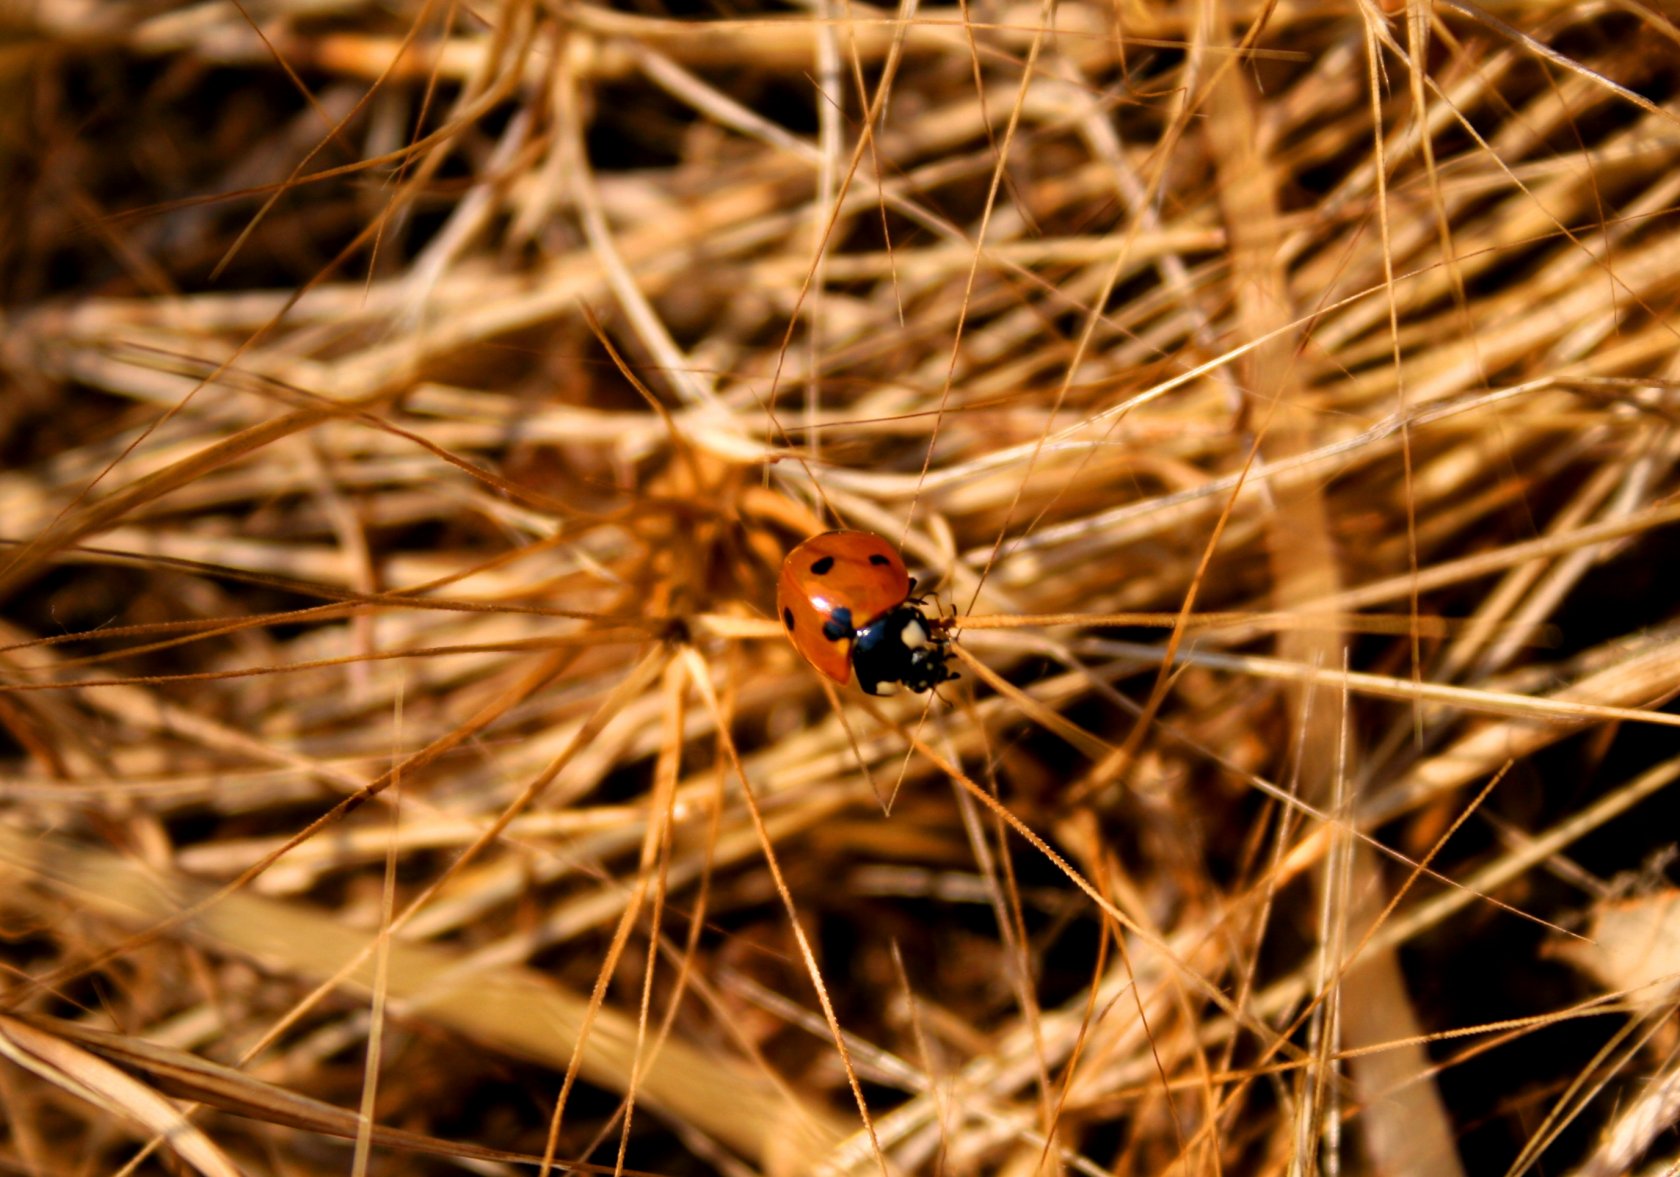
point(406, 408)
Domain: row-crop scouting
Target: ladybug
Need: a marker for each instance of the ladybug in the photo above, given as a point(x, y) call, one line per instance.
point(844, 599)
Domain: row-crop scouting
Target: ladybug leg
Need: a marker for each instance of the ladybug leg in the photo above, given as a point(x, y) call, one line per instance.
point(950, 704)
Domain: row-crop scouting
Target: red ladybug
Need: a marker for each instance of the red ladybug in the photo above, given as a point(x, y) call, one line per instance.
point(844, 598)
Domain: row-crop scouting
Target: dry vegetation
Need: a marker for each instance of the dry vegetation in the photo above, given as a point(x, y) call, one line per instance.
point(405, 409)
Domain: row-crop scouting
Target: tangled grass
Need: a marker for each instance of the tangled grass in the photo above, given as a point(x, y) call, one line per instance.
point(406, 408)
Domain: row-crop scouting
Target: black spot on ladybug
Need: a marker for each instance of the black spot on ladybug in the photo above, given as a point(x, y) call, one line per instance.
point(838, 627)
point(821, 567)
point(879, 560)
point(787, 619)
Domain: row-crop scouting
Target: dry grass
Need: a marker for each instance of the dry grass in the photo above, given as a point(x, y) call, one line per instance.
point(405, 410)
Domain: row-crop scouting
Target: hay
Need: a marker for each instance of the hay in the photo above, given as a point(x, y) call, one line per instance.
point(405, 412)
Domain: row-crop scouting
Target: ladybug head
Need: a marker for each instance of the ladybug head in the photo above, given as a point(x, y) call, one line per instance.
point(899, 651)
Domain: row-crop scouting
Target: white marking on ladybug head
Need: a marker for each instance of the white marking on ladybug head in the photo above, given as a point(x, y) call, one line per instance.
point(887, 689)
point(914, 635)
